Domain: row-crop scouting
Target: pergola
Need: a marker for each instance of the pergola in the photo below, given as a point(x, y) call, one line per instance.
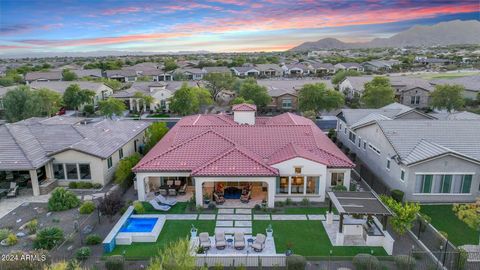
point(358, 203)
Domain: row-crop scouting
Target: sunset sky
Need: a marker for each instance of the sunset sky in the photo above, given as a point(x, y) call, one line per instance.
point(29, 26)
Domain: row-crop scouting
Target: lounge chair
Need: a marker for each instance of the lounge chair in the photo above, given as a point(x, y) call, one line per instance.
point(13, 191)
point(218, 199)
point(204, 240)
point(220, 242)
point(163, 191)
point(259, 243)
point(159, 207)
point(239, 241)
point(162, 200)
point(245, 198)
point(183, 189)
point(172, 192)
point(169, 183)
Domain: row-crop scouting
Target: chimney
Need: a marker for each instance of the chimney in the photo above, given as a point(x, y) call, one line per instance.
point(244, 113)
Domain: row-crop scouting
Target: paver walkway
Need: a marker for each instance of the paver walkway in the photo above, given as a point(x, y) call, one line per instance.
point(289, 217)
point(230, 221)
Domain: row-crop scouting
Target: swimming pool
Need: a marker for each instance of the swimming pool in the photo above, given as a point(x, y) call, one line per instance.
point(139, 225)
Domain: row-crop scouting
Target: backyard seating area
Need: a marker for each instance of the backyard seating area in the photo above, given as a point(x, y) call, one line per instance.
point(172, 188)
point(236, 244)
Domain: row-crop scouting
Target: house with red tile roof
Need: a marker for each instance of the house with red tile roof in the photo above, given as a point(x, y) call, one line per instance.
point(272, 158)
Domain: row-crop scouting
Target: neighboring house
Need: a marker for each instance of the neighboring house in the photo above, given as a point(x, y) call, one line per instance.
point(269, 70)
point(295, 70)
point(122, 75)
point(284, 92)
point(434, 62)
point(380, 65)
point(208, 70)
point(463, 115)
point(41, 76)
point(322, 69)
point(286, 156)
point(101, 90)
point(90, 73)
point(41, 153)
point(160, 91)
point(245, 71)
point(470, 83)
point(348, 66)
point(194, 74)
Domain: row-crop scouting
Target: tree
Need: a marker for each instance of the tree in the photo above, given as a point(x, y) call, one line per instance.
point(469, 213)
point(250, 90)
point(111, 106)
point(240, 100)
point(18, 104)
point(447, 97)
point(218, 82)
point(48, 102)
point(114, 84)
point(404, 214)
point(378, 93)
point(74, 97)
point(170, 64)
point(312, 115)
point(144, 99)
point(342, 74)
point(316, 97)
point(204, 97)
point(188, 100)
point(177, 255)
point(110, 204)
point(68, 75)
point(154, 134)
point(123, 174)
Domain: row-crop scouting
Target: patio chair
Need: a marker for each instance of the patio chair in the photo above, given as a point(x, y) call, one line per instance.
point(220, 241)
point(172, 192)
point(163, 191)
point(259, 243)
point(183, 189)
point(245, 198)
point(162, 200)
point(218, 198)
point(169, 183)
point(239, 241)
point(13, 191)
point(159, 207)
point(204, 240)
point(178, 183)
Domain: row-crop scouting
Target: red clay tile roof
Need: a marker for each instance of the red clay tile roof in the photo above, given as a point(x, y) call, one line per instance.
point(200, 143)
point(244, 107)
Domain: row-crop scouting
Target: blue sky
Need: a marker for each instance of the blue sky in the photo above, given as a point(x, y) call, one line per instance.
point(215, 25)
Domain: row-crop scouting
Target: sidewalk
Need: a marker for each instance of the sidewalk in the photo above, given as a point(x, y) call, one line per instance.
point(7, 205)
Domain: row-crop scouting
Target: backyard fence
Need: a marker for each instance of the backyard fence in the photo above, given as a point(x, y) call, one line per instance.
point(273, 261)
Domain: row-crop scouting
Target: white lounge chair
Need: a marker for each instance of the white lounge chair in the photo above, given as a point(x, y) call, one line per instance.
point(259, 243)
point(239, 241)
point(162, 200)
point(220, 242)
point(159, 207)
point(204, 240)
point(13, 191)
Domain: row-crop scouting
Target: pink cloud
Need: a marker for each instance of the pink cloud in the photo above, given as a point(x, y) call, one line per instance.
point(121, 10)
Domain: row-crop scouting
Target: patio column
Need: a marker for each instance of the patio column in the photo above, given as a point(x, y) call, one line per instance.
point(141, 187)
point(271, 192)
point(130, 103)
point(198, 192)
point(49, 170)
point(138, 104)
point(35, 185)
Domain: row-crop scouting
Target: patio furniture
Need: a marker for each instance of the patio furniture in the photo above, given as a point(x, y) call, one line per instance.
point(183, 189)
point(13, 191)
point(159, 207)
point(169, 183)
point(250, 241)
point(163, 191)
point(204, 239)
point(178, 183)
point(218, 199)
point(245, 198)
point(230, 242)
point(239, 241)
point(172, 192)
point(259, 243)
point(220, 241)
point(162, 200)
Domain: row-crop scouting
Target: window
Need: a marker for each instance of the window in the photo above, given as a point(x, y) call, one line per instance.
point(286, 103)
point(345, 131)
point(58, 171)
point(359, 142)
point(72, 173)
point(282, 185)
point(365, 145)
point(109, 162)
point(374, 149)
point(444, 183)
point(388, 164)
point(84, 171)
point(297, 185)
point(402, 175)
point(352, 137)
point(135, 145)
point(312, 184)
point(466, 183)
point(298, 170)
point(337, 178)
point(415, 100)
point(339, 126)
point(120, 153)
point(424, 183)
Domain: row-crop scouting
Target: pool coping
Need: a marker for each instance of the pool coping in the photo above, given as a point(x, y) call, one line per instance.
point(142, 237)
point(109, 241)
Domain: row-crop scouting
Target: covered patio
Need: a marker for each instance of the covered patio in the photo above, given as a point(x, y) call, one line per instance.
point(361, 221)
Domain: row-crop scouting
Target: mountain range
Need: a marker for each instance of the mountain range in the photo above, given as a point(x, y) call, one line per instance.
point(445, 33)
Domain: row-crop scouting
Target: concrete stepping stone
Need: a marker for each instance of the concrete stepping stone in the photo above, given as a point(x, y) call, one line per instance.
point(206, 217)
point(243, 211)
point(261, 217)
point(289, 217)
point(181, 216)
point(316, 217)
point(232, 230)
point(226, 211)
point(243, 223)
point(224, 223)
point(234, 217)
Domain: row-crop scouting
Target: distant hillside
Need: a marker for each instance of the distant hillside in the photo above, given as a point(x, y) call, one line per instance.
point(444, 33)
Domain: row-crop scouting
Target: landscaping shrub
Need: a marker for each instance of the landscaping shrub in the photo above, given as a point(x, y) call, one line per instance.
point(4, 233)
point(62, 199)
point(339, 188)
point(32, 226)
point(83, 253)
point(49, 237)
point(288, 201)
point(93, 239)
point(115, 262)
point(111, 204)
point(353, 186)
point(404, 262)
point(11, 239)
point(87, 208)
point(84, 185)
point(72, 185)
point(212, 206)
point(123, 173)
point(96, 185)
point(296, 262)
point(366, 262)
point(139, 208)
point(305, 202)
point(397, 195)
point(257, 207)
point(41, 261)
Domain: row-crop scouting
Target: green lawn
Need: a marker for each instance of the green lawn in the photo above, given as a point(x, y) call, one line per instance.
point(308, 238)
point(311, 210)
point(172, 230)
point(443, 219)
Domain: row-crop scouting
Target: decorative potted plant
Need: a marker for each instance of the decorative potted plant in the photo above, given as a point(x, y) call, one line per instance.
point(289, 249)
point(206, 198)
point(269, 231)
point(193, 232)
point(200, 250)
point(264, 203)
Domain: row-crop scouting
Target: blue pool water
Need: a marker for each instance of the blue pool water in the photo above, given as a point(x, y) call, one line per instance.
point(139, 225)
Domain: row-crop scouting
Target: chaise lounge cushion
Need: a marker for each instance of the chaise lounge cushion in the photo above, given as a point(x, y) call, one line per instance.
point(204, 240)
point(220, 242)
point(259, 243)
point(239, 240)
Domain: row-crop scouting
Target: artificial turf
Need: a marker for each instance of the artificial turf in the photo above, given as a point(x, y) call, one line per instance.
point(178, 208)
